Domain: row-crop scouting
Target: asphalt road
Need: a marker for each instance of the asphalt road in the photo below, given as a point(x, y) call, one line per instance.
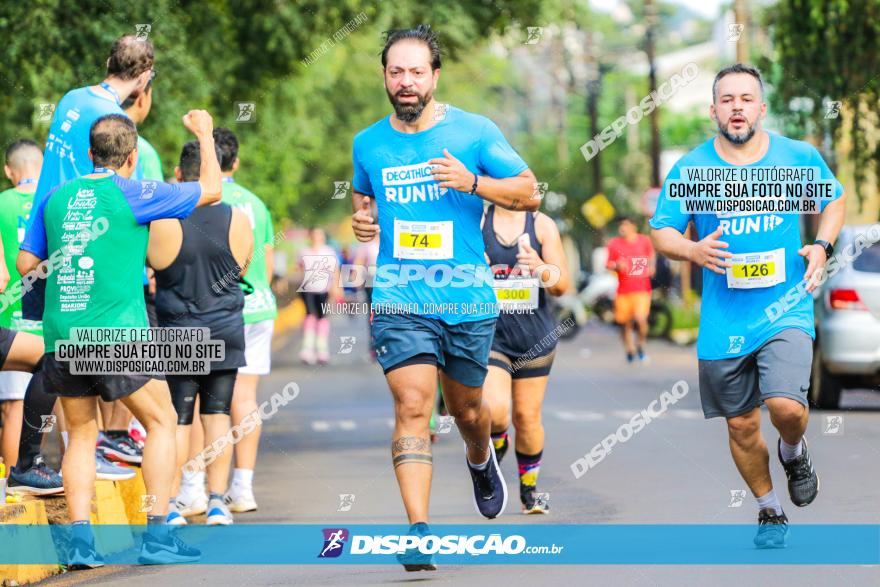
point(333, 439)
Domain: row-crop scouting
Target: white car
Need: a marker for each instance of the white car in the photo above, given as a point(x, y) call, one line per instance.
point(847, 348)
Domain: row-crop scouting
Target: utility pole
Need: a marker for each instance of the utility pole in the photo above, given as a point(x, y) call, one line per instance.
point(741, 17)
point(650, 32)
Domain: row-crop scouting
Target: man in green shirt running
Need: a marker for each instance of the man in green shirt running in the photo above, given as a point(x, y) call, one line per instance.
point(23, 161)
point(259, 320)
point(93, 233)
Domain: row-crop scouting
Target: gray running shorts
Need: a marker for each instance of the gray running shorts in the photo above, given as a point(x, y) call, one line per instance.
point(778, 368)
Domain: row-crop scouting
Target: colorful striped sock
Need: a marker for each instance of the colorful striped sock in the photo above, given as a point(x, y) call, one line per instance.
point(529, 467)
point(499, 439)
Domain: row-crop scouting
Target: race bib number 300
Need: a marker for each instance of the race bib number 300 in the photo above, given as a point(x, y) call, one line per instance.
point(516, 294)
point(422, 240)
point(754, 270)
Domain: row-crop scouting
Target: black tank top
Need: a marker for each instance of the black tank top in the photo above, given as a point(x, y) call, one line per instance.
point(201, 286)
point(517, 333)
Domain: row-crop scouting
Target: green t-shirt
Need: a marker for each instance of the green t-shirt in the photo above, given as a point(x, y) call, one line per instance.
point(93, 232)
point(149, 165)
point(259, 305)
point(15, 209)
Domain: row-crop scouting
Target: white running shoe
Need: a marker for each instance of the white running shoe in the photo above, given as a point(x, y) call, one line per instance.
point(191, 503)
point(218, 513)
point(240, 499)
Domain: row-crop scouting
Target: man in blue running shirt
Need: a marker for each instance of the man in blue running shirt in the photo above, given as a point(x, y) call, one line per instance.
point(756, 326)
point(428, 167)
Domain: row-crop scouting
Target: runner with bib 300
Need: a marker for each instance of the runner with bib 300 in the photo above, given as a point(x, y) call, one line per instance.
point(748, 354)
point(429, 167)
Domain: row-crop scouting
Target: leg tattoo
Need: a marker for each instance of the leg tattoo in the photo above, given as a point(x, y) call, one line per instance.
point(411, 449)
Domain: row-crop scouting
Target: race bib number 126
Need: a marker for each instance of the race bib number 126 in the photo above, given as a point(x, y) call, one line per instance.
point(753, 270)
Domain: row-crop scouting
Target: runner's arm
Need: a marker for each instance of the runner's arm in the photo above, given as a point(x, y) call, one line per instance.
point(363, 220)
point(553, 254)
point(708, 252)
point(26, 262)
point(241, 240)
point(671, 243)
point(200, 123)
point(4, 272)
point(830, 222)
point(513, 193)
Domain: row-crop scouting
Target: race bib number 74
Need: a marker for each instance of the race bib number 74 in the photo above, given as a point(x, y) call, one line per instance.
point(422, 240)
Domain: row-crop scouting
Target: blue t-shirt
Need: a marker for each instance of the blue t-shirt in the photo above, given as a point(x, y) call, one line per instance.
point(67, 157)
point(148, 201)
point(440, 223)
point(735, 322)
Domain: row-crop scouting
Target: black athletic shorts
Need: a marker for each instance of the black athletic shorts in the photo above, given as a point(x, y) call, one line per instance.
point(214, 391)
point(56, 379)
point(314, 303)
point(6, 338)
point(523, 367)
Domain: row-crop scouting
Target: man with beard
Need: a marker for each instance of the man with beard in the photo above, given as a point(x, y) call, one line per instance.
point(747, 358)
point(429, 167)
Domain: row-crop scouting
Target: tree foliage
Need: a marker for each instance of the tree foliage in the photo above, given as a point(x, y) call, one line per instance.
point(827, 51)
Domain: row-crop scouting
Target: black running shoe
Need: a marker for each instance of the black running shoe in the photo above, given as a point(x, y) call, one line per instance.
point(82, 555)
point(167, 550)
point(772, 529)
point(532, 502)
point(490, 491)
point(803, 482)
point(413, 559)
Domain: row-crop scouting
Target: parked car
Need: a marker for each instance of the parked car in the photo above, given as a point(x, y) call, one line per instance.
point(847, 348)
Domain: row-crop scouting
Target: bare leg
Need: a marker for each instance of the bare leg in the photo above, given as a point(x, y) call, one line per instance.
point(789, 417)
point(471, 415)
point(626, 331)
point(25, 352)
point(78, 465)
point(497, 393)
point(528, 396)
point(217, 425)
point(413, 390)
point(152, 406)
point(750, 452)
point(244, 402)
point(12, 415)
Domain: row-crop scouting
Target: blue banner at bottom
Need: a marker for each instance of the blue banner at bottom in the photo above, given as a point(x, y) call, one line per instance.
point(608, 544)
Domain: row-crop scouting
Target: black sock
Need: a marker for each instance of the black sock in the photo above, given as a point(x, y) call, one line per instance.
point(37, 403)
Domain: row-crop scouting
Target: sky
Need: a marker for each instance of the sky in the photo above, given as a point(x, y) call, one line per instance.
point(707, 8)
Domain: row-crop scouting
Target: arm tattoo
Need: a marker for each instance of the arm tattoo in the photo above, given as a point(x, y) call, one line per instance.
point(411, 449)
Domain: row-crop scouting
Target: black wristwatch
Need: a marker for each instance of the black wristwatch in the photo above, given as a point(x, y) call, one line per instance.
point(829, 249)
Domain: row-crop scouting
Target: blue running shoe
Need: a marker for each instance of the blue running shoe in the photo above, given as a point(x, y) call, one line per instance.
point(164, 548)
point(107, 470)
point(82, 555)
point(40, 479)
point(490, 491)
point(772, 529)
point(413, 559)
